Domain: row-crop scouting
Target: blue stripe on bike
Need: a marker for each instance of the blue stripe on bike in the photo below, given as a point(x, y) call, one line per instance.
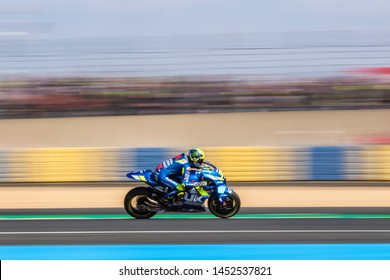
point(198, 252)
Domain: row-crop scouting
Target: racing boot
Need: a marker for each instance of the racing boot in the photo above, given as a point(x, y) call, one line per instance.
point(178, 200)
point(176, 197)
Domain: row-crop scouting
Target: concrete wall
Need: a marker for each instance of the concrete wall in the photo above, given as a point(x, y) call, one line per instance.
point(106, 196)
point(239, 164)
point(204, 130)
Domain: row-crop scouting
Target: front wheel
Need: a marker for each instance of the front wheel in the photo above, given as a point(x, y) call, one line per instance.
point(225, 209)
point(135, 203)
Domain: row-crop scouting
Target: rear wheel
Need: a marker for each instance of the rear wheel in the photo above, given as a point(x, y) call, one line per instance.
point(225, 209)
point(135, 205)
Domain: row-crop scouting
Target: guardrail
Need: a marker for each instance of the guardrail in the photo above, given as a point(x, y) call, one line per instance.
point(237, 163)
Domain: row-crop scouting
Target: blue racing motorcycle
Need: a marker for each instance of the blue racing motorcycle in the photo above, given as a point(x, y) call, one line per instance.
point(208, 183)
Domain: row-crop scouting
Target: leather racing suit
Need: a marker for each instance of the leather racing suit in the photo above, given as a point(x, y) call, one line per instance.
point(176, 167)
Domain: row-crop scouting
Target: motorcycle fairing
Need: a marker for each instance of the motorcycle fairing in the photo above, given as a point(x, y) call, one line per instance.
point(140, 175)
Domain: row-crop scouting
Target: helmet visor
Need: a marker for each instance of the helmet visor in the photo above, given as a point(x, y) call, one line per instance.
point(197, 161)
point(196, 156)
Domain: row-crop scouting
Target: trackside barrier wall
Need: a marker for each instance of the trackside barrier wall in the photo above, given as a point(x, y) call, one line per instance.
point(3, 166)
point(328, 163)
point(237, 163)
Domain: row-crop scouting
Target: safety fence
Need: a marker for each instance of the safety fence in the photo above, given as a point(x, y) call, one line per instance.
point(237, 163)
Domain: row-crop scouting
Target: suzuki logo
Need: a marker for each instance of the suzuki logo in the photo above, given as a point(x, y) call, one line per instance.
point(192, 197)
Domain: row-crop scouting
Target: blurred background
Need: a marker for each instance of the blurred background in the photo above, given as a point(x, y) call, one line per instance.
point(70, 59)
point(278, 71)
point(272, 92)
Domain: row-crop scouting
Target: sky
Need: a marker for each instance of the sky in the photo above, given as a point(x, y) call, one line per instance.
point(129, 18)
point(179, 37)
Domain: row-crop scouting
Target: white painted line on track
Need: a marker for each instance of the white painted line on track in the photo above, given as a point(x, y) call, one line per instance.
point(194, 231)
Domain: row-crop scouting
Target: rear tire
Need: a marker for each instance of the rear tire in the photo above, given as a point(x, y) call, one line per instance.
point(228, 209)
point(134, 203)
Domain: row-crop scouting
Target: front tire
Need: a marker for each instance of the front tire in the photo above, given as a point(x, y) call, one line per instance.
point(134, 203)
point(227, 209)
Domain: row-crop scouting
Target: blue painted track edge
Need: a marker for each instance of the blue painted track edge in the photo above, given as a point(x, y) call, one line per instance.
point(198, 252)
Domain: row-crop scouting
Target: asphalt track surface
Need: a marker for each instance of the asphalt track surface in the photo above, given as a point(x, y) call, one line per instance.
point(250, 226)
point(245, 228)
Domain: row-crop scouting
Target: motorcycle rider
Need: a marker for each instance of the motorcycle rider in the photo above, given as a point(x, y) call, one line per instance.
point(174, 173)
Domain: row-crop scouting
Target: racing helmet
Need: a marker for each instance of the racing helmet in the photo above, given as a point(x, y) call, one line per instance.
point(196, 157)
